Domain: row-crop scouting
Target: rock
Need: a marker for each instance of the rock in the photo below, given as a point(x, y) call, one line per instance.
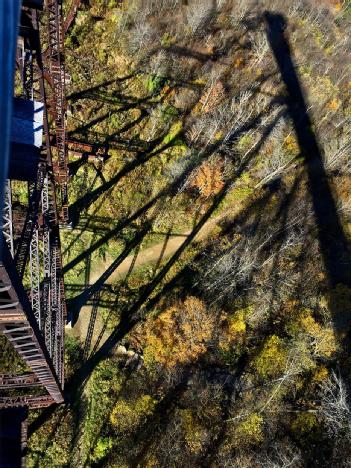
point(121, 350)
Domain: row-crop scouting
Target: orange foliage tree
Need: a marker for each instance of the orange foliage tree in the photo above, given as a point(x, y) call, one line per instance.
point(179, 335)
point(212, 97)
point(208, 179)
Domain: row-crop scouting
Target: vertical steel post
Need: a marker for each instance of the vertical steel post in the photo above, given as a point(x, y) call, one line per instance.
point(7, 227)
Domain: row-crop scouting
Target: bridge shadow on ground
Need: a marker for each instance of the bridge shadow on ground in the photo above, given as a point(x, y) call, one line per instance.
point(172, 188)
point(138, 310)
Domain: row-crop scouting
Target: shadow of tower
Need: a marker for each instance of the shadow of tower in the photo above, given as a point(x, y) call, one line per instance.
point(332, 240)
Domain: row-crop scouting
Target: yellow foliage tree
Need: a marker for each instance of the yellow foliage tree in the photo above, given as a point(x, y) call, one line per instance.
point(322, 338)
point(304, 425)
point(321, 374)
point(151, 462)
point(179, 335)
point(126, 416)
point(194, 433)
point(271, 360)
point(250, 430)
point(235, 330)
point(237, 324)
point(291, 145)
point(334, 104)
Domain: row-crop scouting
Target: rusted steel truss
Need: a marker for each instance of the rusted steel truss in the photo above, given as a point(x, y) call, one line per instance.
point(57, 74)
point(33, 322)
point(19, 325)
point(33, 402)
point(8, 381)
point(71, 14)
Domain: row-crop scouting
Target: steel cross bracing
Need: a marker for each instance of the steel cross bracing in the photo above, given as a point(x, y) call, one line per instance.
point(46, 283)
point(57, 75)
point(34, 189)
point(7, 227)
point(35, 275)
point(55, 306)
point(52, 286)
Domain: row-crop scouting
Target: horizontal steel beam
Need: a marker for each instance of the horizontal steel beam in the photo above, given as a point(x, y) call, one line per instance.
point(31, 401)
point(15, 381)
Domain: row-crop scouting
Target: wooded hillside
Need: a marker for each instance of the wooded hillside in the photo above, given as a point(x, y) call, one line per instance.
point(228, 123)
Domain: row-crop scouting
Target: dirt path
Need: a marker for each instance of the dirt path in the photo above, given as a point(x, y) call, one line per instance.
point(153, 254)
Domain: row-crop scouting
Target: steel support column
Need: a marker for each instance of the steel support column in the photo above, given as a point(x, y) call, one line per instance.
point(7, 227)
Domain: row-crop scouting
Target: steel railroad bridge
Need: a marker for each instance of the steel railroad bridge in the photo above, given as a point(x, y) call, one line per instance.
point(32, 318)
point(34, 151)
point(35, 148)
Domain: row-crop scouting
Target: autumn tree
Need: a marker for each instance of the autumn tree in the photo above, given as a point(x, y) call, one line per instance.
point(127, 415)
point(271, 360)
point(208, 178)
point(213, 96)
point(180, 334)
